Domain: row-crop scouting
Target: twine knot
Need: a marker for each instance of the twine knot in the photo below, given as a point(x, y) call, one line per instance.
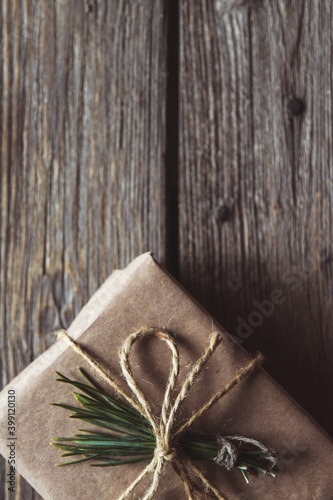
point(165, 452)
point(166, 432)
point(228, 453)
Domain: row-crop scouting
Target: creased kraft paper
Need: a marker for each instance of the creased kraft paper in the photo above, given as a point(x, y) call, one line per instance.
point(144, 294)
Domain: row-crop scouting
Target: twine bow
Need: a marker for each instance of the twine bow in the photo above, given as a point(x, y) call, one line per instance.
point(166, 433)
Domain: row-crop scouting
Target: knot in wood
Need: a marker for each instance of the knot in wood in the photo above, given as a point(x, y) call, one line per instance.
point(222, 214)
point(295, 106)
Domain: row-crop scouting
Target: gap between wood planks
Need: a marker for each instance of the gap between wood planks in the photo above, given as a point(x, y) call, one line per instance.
point(172, 138)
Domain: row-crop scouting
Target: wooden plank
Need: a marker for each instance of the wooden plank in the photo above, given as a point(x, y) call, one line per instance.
point(256, 181)
point(82, 102)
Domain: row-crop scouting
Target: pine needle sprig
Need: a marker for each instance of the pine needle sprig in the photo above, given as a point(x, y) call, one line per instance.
point(130, 438)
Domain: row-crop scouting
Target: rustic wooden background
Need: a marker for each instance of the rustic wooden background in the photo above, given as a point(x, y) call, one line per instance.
point(196, 130)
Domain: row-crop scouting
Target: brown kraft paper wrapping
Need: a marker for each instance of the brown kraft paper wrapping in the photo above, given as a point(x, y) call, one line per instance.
point(144, 294)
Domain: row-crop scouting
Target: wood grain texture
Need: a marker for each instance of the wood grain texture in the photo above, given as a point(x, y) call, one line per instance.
point(83, 171)
point(82, 109)
point(256, 149)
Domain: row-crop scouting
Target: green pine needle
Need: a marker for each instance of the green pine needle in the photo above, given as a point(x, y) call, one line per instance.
point(130, 438)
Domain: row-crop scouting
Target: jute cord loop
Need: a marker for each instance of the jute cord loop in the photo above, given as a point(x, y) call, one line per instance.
point(167, 433)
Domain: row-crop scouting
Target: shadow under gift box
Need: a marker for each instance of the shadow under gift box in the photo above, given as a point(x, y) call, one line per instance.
point(144, 294)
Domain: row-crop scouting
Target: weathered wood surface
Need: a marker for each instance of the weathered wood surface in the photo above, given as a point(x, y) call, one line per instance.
point(88, 108)
point(82, 161)
point(256, 149)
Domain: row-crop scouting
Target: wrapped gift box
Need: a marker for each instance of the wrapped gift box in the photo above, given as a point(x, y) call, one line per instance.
point(144, 294)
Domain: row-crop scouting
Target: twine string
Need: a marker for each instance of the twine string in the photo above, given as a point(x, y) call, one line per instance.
point(240, 375)
point(166, 436)
point(62, 334)
point(269, 454)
